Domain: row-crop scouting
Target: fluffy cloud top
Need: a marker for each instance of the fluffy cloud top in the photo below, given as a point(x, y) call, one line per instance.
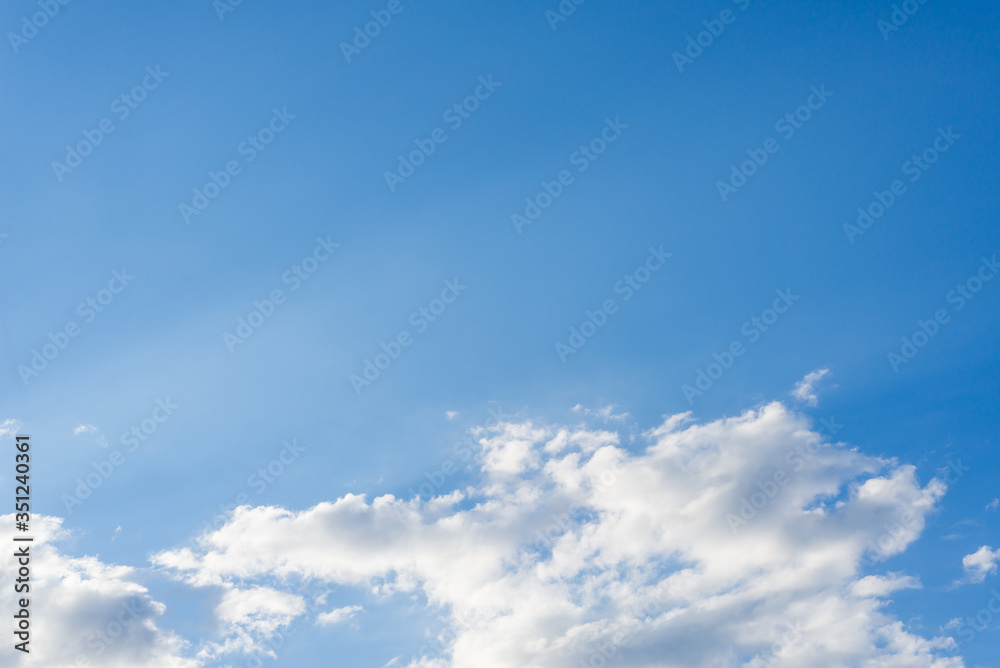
point(980, 563)
point(741, 542)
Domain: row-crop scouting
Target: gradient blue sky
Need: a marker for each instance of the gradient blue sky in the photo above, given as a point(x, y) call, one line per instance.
point(494, 347)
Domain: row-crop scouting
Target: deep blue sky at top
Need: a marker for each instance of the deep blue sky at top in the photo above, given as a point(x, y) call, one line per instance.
point(323, 176)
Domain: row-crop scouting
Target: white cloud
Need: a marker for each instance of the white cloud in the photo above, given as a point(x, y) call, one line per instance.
point(980, 563)
point(607, 413)
point(90, 609)
point(9, 427)
point(881, 586)
point(993, 505)
point(338, 615)
point(450, 415)
point(805, 389)
point(562, 552)
point(510, 448)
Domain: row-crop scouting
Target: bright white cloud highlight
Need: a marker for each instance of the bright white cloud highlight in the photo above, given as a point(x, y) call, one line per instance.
point(980, 563)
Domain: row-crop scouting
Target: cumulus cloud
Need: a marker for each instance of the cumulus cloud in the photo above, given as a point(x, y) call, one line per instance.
point(805, 389)
point(980, 563)
point(993, 505)
point(450, 415)
point(90, 609)
point(569, 548)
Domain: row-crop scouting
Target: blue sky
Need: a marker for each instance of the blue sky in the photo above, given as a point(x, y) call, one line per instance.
point(321, 182)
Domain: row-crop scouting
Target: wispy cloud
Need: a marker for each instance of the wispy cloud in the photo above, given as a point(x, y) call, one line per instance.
point(607, 413)
point(339, 615)
point(805, 389)
point(91, 430)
